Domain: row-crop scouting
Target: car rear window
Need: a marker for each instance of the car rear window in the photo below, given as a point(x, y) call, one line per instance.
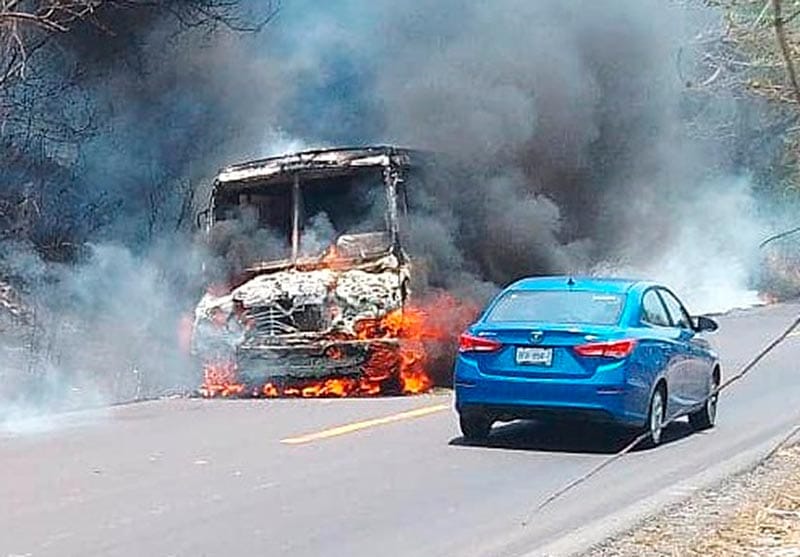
point(567, 306)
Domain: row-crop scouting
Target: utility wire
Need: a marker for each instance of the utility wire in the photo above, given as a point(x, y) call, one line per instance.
point(630, 446)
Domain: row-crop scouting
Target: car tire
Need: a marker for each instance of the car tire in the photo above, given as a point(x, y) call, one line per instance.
point(475, 426)
point(706, 417)
point(655, 418)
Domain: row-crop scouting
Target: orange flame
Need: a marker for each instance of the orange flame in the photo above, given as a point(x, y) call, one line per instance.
point(332, 259)
point(220, 379)
point(438, 320)
point(400, 363)
point(270, 391)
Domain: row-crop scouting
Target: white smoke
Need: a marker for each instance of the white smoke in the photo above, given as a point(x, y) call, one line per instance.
point(712, 249)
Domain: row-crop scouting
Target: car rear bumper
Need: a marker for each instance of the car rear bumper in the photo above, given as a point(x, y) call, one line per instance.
point(602, 397)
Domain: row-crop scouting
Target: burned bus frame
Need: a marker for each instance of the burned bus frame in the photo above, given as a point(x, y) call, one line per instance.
point(363, 287)
point(395, 162)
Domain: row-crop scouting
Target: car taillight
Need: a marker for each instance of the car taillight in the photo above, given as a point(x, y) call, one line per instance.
point(612, 349)
point(471, 343)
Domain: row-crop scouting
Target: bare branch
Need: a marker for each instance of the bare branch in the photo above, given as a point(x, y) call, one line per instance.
point(23, 25)
point(780, 33)
point(41, 139)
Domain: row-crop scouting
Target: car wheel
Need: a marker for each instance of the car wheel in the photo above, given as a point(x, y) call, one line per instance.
point(655, 418)
point(707, 415)
point(474, 426)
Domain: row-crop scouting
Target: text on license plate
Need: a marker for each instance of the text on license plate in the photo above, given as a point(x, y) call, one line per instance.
point(534, 356)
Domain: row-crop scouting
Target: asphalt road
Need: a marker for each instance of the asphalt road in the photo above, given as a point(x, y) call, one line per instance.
point(230, 478)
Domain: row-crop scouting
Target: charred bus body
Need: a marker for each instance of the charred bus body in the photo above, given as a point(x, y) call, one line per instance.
point(327, 271)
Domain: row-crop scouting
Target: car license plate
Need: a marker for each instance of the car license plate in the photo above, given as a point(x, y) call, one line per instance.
point(534, 356)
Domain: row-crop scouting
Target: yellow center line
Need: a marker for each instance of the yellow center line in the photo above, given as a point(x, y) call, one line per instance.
point(357, 426)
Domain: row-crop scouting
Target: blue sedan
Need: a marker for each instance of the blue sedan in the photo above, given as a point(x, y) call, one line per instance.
point(609, 350)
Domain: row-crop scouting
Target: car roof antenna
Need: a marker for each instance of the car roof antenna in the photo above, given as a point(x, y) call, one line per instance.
point(570, 282)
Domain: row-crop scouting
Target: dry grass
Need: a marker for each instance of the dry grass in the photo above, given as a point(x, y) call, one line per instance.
point(767, 527)
point(756, 514)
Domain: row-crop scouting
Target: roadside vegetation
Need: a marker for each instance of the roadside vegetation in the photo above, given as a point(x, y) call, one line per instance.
point(78, 80)
point(754, 514)
point(66, 67)
point(758, 55)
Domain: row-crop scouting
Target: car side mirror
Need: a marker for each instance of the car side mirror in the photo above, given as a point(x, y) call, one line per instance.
point(705, 324)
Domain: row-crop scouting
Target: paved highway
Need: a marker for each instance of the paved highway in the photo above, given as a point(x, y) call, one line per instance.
point(360, 477)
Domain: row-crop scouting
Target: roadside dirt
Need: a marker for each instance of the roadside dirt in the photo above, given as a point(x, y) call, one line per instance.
point(754, 514)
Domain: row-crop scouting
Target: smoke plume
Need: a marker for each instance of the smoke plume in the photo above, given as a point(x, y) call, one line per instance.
point(573, 127)
point(576, 144)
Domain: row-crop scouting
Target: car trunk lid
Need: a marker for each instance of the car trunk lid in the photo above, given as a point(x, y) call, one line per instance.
point(546, 350)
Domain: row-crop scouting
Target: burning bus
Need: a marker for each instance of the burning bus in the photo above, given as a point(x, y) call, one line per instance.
point(319, 304)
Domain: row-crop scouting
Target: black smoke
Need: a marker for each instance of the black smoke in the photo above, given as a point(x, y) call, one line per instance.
point(580, 140)
point(576, 139)
point(580, 136)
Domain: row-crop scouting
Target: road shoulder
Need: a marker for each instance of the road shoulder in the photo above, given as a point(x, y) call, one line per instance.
point(756, 512)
